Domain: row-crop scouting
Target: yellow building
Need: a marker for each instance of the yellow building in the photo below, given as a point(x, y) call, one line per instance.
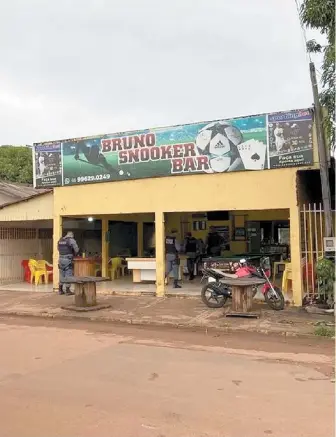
point(192, 189)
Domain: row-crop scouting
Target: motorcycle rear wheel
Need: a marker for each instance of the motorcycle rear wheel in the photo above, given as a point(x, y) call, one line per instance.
point(278, 303)
point(215, 300)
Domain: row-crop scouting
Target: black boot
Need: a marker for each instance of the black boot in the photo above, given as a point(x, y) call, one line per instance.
point(60, 289)
point(68, 292)
point(176, 285)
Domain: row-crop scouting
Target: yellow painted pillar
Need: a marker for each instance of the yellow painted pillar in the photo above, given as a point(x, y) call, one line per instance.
point(57, 234)
point(140, 238)
point(295, 249)
point(160, 253)
point(105, 247)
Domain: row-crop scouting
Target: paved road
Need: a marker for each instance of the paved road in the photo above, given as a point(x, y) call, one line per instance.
point(70, 379)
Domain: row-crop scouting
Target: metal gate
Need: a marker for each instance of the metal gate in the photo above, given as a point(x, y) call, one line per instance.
point(17, 244)
point(312, 248)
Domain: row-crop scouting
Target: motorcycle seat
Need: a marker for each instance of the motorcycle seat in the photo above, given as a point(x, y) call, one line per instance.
point(225, 275)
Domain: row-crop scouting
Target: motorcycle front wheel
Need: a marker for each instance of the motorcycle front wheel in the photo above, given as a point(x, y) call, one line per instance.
point(275, 300)
point(211, 298)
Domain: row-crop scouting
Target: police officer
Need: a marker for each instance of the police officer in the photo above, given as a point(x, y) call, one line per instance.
point(67, 249)
point(214, 242)
point(192, 250)
point(173, 248)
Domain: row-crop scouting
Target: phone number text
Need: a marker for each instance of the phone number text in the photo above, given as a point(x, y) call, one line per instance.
point(98, 177)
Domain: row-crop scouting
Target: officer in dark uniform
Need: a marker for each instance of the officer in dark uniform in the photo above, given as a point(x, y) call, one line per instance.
point(173, 248)
point(192, 250)
point(67, 249)
point(214, 242)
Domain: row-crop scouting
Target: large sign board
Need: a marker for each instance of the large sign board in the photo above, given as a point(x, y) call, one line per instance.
point(260, 142)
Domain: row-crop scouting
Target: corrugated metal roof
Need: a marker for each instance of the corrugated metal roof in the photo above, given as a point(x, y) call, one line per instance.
point(16, 192)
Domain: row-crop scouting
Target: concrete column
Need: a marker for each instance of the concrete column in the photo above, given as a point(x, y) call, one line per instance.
point(57, 234)
point(140, 238)
point(160, 253)
point(295, 248)
point(105, 247)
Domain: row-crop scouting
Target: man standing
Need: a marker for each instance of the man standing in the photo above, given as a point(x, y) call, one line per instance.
point(191, 249)
point(67, 249)
point(173, 248)
point(214, 242)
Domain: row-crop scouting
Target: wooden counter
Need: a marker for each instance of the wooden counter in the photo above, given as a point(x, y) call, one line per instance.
point(84, 266)
point(144, 269)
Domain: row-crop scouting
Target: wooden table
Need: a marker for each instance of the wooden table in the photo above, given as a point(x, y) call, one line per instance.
point(85, 292)
point(84, 266)
point(242, 295)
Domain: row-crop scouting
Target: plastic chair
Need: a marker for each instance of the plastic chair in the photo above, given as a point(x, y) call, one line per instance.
point(286, 277)
point(122, 267)
point(115, 267)
point(39, 270)
point(276, 265)
point(97, 269)
point(45, 268)
point(26, 270)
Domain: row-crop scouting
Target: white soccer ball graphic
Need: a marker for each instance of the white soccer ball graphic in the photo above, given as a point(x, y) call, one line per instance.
point(216, 141)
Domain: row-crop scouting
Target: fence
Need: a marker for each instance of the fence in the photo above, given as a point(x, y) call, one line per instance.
point(312, 247)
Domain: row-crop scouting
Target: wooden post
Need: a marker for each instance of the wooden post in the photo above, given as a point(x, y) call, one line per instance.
point(85, 294)
point(105, 247)
point(242, 299)
point(140, 238)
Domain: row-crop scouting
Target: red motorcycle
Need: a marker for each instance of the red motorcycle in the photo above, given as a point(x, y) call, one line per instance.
point(216, 292)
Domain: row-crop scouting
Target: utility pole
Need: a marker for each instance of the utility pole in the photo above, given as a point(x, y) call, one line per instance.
point(324, 169)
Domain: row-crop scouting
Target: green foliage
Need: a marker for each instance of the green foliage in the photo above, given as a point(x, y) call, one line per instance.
point(320, 15)
point(16, 164)
point(324, 331)
point(325, 270)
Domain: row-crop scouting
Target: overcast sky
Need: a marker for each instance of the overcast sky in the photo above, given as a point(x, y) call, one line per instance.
point(81, 67)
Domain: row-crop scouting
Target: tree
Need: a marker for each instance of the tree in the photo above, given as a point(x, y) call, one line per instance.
point(16, 164)
point(320, 15)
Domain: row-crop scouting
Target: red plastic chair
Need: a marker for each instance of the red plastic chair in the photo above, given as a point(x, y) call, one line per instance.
point(24, 264)
point(50, 268)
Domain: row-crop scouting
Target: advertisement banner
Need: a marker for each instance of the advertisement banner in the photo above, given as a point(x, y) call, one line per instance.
point(47, 159)
point(241, 144)
point(290, 139)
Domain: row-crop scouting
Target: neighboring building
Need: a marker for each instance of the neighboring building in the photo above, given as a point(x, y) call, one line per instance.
point(26, 236)
point(11, 192)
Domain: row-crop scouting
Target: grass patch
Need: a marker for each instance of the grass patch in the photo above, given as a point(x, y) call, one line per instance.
point(324, 331)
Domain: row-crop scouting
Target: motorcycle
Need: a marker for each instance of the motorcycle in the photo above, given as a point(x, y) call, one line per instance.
point(215, 293)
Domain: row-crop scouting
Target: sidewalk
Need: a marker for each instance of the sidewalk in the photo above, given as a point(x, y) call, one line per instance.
point(171, 312)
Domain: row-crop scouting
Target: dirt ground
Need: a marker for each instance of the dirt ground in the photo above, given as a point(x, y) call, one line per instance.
point(168, 312)
point(70, 378)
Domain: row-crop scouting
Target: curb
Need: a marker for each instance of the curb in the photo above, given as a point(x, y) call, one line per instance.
point(147, 323)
